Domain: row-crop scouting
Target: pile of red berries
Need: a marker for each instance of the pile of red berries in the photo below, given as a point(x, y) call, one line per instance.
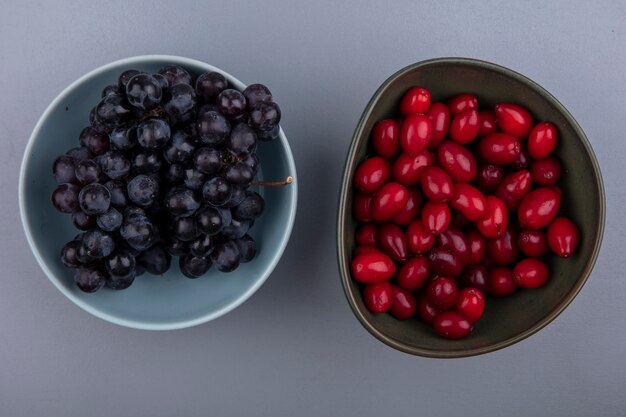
point(454, 204)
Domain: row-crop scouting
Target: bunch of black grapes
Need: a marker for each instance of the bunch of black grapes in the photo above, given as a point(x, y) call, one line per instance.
point(163, 170)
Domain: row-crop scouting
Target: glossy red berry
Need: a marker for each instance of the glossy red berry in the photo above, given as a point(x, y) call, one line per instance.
point(372, 267)
point(445, 262)
point(377, 297)
point(410, 210)
point(452, 325)
point(416, 100)
point(542, 140)
point(407, 169)
point(487, 123)
point(386, 138)
point(546, 172)
point(563, 237)
point(462, 102)
point(457, 161)
point(476, 276)
point(501, 282)
point(414, 273)
point(513, 119)
point(440, 118)
point(415, 133)
point(503, 250)
point(496, 218)
point(471, 304)
point(539, 208)
point(436, 184)
point(464, 127)
point(436, 217)
point(499, 148)
point(469, 201)
point(531, 273)
point(392, 241)
point(419, 237)
point(533, 243)
point(514, 188)
point(442, 293)
point(403, 303)
point(388, 201)
point(477, 245)
point(372, 174)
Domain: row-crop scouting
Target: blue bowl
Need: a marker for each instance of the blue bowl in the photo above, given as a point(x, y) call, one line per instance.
point(163, 302)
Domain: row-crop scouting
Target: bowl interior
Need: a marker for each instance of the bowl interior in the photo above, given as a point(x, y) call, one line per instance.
point(512, 318)
point(152, 302)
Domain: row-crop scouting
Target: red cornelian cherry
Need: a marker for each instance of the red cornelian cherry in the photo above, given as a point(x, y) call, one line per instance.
point(442, 293)
point(464, 127)
point(372, 174)
point(462, 102)
point(514, 188)
point(546, 172)
point(499, 148)
point(469, 201)
point(531, 273)
point(455, 240)
point(533, 243)
point(513, 119)
point(440, 118)
point(407, 169)
point(563, 237)
point(501, 282)
point(415, 133)
point(488, 177)
point(496, 219)
point(372, 267)
point(436, 184)
point(445, 262)
point(457, 161)
point(386, 138)
point(503, 250)
point(414, 273)
point(436, 217)
point(487, 123)
point(476, 276)
point(410, 210)
point(419, 238)
point(388, 201)
point(539, 208)
point(377, 297)
point(403, 304)
point(542, 140)
point(471, 304)
point(452, 325)
point(477, 245)
point(392, 241)
point(416, 100)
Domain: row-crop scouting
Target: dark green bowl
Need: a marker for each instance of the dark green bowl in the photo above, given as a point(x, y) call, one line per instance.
point(511, 319)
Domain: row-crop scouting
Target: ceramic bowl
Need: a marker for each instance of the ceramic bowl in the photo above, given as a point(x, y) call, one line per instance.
point(506, 320)
point(152, 302)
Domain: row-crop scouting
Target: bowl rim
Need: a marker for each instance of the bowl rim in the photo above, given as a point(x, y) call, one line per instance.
point(344, 211)
point(105, 315)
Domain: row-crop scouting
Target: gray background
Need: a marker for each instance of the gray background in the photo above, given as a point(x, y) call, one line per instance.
point(295, 348)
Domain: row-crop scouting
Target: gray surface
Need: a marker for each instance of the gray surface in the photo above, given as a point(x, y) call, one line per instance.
point(295, 348)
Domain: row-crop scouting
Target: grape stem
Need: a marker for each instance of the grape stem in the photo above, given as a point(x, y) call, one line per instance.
point(287, 181)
